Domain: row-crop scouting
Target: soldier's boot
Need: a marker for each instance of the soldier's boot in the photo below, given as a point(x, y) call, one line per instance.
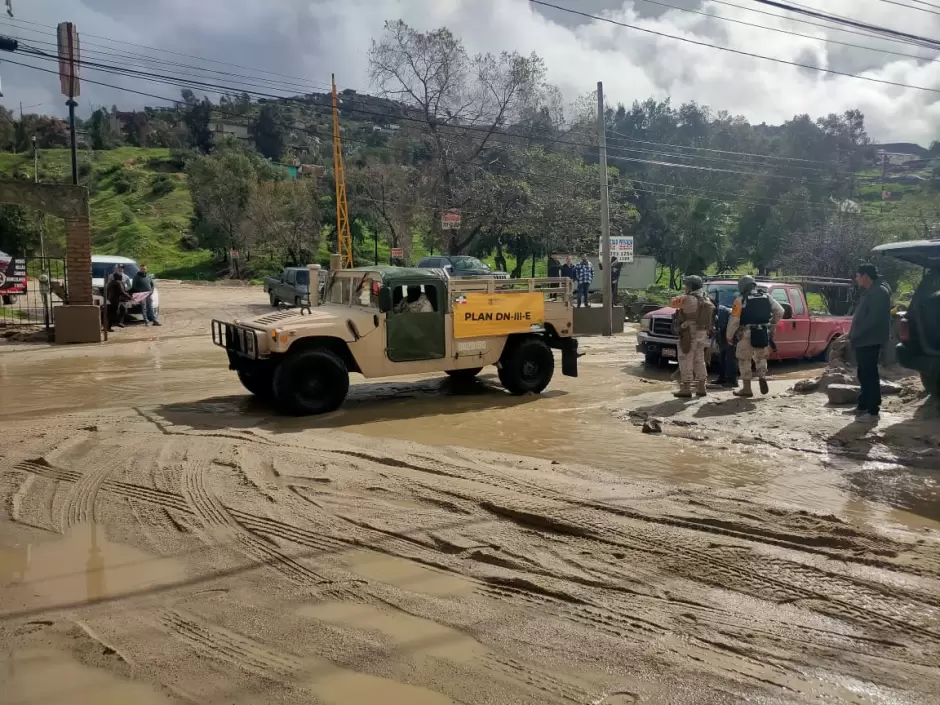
point(764, 388)
point(745, 390)
point(700, 390)
point(684, 392)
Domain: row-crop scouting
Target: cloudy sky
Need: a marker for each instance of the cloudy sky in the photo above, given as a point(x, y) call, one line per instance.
point(310, 39)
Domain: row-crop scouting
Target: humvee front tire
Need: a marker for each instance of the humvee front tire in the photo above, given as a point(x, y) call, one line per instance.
point(311, 382)
point(527, 365)
point(468, 373)
point(259, 381)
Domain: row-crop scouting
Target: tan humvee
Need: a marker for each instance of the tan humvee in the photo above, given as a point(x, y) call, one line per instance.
point(386, 321)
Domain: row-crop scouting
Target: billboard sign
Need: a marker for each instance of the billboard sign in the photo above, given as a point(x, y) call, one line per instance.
point(621, 247)
point(68, 59)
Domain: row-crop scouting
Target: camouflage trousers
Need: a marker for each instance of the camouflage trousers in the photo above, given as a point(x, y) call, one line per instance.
point(692, 364)
point(748, 353)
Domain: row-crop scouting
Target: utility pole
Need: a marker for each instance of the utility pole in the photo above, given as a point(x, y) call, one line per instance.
point(884, 174)
point(605, 211)
point(41, 215)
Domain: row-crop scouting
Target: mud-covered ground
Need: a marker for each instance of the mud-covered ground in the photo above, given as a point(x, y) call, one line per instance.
point(165, 539)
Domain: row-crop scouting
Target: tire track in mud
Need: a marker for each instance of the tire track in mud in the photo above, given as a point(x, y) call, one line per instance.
point(214, 516)
point(231, 648)
point(79, 507)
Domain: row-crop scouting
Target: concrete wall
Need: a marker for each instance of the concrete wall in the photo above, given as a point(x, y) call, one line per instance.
point(590, 321)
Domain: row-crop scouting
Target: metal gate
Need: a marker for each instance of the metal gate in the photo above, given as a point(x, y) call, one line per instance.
point(30, 289)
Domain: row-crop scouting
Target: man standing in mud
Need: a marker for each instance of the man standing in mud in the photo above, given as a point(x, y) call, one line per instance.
point(753, 317)
point(695, 316)
point(871, 328)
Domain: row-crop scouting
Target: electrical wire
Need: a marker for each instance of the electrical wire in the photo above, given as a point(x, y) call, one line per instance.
point(730, 50)
point(825, 40)
point(590, 182)
point(911, 7)
point(839, 19)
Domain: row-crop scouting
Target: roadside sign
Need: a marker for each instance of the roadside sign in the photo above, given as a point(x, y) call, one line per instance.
point(450, 219)
point(13, 278)
point(68, 59)
point(234, 254)
point(621, 247)
point(398, 252)
point(479, 314)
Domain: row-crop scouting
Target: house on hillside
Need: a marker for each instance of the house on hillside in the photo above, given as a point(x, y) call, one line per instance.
point(900, 153)
point(222, 126)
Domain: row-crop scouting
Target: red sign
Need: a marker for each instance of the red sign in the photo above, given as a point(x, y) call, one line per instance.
point(450, 219)
point(12, 275)
point(68, 59)
point(398, 252)
point(234, 254)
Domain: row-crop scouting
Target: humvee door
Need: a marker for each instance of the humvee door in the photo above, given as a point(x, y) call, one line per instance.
point(412, 335)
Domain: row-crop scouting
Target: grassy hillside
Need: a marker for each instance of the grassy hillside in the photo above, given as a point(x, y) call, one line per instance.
point(140, 205)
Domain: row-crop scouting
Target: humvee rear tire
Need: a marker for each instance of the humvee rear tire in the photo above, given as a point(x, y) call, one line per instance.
point(468, 373)
point(311, 382)
point(527, 365)
point(258, 381)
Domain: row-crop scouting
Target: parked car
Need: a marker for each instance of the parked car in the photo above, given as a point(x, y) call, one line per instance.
point(801, 334)
point(292, 287)
point(919, 329)
point(102, 268)
point(461, 266)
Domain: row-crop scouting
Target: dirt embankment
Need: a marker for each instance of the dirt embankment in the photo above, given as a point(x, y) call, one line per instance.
point(166, 540)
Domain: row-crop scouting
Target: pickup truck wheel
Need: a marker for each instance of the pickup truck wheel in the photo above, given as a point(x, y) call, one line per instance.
point(824, 355)
point(469, 373)
point(297, 302)
point(527, 366)
point(311, 382)
point(259, 382)
point(275, 302)
point(654, 359)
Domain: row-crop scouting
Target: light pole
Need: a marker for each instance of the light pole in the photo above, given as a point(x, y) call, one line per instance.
point(42, 219)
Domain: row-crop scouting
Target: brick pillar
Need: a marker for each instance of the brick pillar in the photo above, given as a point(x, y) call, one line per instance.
point(78, 261)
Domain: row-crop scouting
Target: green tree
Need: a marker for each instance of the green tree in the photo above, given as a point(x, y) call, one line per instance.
point(269, 132)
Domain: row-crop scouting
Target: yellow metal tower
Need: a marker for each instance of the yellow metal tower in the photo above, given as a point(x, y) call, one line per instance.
point(343, 235)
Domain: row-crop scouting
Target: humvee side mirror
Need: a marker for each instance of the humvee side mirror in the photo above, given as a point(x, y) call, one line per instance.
point(385, 299)
point(787, 311)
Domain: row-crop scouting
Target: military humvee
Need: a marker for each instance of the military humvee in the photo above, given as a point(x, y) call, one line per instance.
point(386, 321)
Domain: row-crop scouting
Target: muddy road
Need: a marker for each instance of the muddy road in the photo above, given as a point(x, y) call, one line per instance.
point(165, 539)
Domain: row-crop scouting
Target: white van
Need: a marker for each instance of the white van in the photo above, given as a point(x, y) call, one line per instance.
point(102, 268)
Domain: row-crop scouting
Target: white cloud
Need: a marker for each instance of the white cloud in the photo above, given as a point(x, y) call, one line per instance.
point(313, 38)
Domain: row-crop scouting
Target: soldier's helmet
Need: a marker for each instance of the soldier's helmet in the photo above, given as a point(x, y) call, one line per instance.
point(746, 283)
point(693, 282)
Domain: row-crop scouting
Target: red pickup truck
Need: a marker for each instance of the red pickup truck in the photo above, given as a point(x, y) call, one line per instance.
point(801, 333)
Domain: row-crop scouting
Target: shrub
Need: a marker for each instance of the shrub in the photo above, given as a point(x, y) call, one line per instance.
point(127, 216)
point(162, 184)
point(123, 183)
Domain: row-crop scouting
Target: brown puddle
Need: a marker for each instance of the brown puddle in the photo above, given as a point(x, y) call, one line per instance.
point(47, 677)
point(405, 574)
point(413, 635)
point(84, 566)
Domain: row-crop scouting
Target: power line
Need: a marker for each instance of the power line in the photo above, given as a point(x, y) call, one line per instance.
point(739, 52)
point(839, 19)
point(825, 40)
point(505, 169)
point(166, 51)
point(911, 7)
point(829, 27)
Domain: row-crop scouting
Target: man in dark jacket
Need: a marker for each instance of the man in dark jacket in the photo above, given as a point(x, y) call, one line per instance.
point(554, 266)
point(871, 328)
point(117, 300)
point(728, 362)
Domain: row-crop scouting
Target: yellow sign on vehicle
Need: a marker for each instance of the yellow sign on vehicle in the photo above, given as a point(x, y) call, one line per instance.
point(479, 314)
